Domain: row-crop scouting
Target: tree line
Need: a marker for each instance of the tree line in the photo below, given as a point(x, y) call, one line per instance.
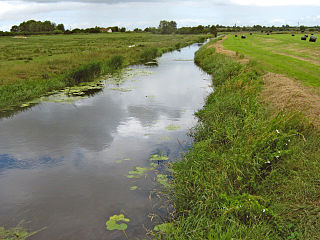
point(164, 27)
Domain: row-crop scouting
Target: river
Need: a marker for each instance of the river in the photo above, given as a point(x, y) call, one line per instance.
point(64, 166)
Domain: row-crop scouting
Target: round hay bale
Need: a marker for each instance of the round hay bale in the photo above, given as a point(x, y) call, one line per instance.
point(243, 36)
point(313, 39)
point(304, 38)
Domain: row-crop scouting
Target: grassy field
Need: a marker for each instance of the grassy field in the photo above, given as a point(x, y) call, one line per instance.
point(251, 173)
point(32, 66)
point(281, 53)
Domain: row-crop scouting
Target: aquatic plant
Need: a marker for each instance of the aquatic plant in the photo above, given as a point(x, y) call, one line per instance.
point(173, 127)
point(157, 157)
point(138, 173)
point(116, 222)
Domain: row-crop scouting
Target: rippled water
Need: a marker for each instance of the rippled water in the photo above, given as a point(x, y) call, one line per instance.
point(62, 165)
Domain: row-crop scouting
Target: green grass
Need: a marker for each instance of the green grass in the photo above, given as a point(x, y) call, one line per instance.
point(250, 174)
point(281, 53)
point(35, 65)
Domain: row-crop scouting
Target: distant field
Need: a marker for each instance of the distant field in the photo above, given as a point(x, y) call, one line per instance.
point(281, 53)
point(34, 65)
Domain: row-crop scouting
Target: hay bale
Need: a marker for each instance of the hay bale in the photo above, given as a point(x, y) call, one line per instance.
point(243, 36)
point(304, 38)
point(313, 39)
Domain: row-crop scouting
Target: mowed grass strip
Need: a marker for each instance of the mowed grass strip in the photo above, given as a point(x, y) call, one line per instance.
point(281, 53)
point(32, 66)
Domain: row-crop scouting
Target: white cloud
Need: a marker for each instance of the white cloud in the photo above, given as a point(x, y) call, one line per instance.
point(277, 2)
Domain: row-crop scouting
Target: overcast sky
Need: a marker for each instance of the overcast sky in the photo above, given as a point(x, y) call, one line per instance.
point(145, 13)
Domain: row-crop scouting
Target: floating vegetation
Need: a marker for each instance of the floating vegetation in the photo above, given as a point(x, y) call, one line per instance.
point(119, 161)
point(164, 138)
point(165, 228)
point(183, 60)
point(16, 233)
point(163, 180)
point(125, 75)
point(150, 96)
point(116, 222)
point(138, 173)
point(25, 105)
point(121, 89)
point(173, 127)
point(152, 63)
point(153, 166)
point(133, 188)
point(158, 158)
point(127, 159)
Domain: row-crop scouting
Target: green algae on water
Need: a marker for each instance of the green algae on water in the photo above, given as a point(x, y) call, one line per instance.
point(173, 127)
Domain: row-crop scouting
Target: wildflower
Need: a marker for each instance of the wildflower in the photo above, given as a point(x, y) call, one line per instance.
point(263, 210)
point(268, 162)
point(277, 131)
point(277, 156)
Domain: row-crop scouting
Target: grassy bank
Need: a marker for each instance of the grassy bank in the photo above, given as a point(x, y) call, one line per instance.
point(33, 66)
point(281, 53)
point(250, 174)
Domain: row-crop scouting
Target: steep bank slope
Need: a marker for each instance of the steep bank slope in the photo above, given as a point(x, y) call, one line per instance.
point(251, 173)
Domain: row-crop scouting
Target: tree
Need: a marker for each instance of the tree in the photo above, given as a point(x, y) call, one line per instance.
point(166, 27)
point(123, 29)
point(60, 27)
point(14, 28)
point(302, 28)
point(213, 30)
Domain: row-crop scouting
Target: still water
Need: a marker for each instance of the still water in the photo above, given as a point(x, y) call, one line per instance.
point(64, 167)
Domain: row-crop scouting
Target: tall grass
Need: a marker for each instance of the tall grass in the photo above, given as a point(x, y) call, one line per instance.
point(250, 174)
point(84, 73)
point(149, 54)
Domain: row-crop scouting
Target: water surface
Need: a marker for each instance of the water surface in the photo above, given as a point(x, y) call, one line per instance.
point(60, 163)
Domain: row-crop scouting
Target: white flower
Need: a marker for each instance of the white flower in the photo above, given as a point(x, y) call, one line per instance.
point(277, 131)
point(268, 162)
point(263, 210)
point(277, 156)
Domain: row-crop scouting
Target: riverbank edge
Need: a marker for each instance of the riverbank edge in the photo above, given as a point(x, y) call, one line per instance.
point(251, 173)
point(13, 95)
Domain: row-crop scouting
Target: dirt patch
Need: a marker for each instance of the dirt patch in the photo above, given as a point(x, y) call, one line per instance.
point(284, 93)
point(220, 49)
point(20, 37)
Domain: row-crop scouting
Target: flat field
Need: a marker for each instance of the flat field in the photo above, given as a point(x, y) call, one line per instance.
point(281, 53)
point(32, 66)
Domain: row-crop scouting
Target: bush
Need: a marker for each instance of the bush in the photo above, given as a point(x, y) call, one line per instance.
point(149, 54)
